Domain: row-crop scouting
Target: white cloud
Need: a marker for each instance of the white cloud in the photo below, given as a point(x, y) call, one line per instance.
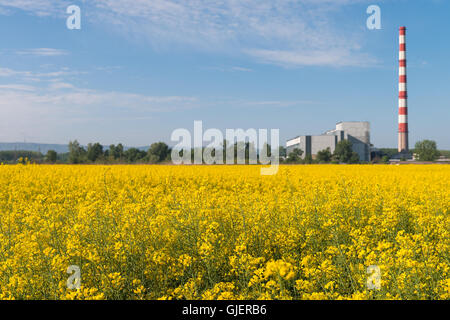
point(7, 72)
point(241, 69)
point(60, 85)
point(39, 76)
point(36, 7)
point(55, 91)
point(19, 87)
point(333, 58)
point(283, 32)
point(44, 52)
point(61, 110)
point(65, 96)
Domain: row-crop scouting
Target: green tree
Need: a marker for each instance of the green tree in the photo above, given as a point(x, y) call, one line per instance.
point(265, 153)
point(94, 151)
point(427, 150)
point(308, 159)
point(119, 152)
point(12, 156)
point(251, 153)
point(158, 152)
point(295, 156)
point(76, 152)
point(354, 158)
point(282, 152)
point(324, 155)
point(133, 155)
point(267, 149)
point(110, 152)
point(343, 151)
point(51, 156)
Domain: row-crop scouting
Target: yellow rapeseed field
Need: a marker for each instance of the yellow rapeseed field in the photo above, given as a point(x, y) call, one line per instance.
point(225, 232)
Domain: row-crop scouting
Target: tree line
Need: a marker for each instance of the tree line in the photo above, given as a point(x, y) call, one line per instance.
point(94, 153)
point(160, 152)
point(342, 154)
point(425, 150)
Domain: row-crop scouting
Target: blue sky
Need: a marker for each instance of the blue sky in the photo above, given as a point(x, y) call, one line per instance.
point(137, 70)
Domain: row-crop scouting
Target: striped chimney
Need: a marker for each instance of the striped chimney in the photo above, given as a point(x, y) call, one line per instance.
point(403, 96)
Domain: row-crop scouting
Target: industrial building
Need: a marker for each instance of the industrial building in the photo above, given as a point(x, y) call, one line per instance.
point(357, 132)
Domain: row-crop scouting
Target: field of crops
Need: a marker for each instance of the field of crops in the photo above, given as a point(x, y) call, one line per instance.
point(224, 232)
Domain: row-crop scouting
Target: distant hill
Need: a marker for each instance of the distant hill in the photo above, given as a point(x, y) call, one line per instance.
point(43, 147)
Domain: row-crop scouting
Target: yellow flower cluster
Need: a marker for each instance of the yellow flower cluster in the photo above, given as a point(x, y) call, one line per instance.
point(225, 232)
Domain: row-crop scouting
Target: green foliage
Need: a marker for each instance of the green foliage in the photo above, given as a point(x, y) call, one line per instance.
point(249, 151)
point(344, 152)
point(23, 160)
point(445, 153)
point(389, 152)
point(77, 154)
point(119, 151)
point(13, 156)
point(324, 156)
point(158, 152)
point(267, 149)
point(114, 153)
point(94, 151)
point(427, 150)
point(134, 155)
point(295, 156)
point(51, 156)
point(63, 157)
point(308, 159)
point(354, 159)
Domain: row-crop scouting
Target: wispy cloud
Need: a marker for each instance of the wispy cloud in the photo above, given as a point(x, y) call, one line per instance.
point(60, 85)
point(332, 58)
point(7, 72)
point(288, 33)
point(36, 76)
point(43, 52)
point(241, 69)
point(61, 109)
point(282, 32)
point(65, 96)
point(35, 7)
point(17, 87)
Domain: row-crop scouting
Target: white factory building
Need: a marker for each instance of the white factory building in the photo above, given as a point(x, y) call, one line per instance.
point(357, 132)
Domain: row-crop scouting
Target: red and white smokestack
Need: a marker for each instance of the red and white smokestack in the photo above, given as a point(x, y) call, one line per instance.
point(403, 96)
